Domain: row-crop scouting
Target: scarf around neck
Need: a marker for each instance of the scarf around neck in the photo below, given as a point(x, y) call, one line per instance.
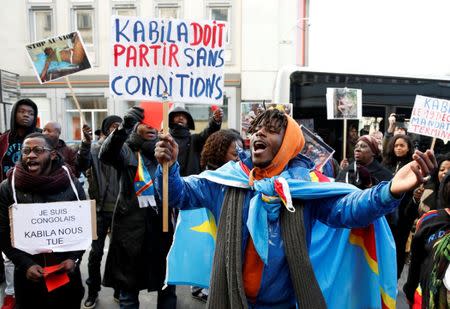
point(179, 131)
point(282, 187)
point(146, 147)
point(56, 181)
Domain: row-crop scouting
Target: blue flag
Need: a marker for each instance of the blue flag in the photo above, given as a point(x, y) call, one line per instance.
point(189, 262)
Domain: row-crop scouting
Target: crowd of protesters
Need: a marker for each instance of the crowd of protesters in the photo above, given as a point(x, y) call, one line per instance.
point(37, 166)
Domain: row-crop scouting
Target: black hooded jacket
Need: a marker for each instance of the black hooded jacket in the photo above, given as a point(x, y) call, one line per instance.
point(5, 138)
point(190, 145)
point(138, 248)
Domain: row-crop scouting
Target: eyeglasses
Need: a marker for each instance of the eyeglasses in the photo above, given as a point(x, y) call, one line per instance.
point(36, 149)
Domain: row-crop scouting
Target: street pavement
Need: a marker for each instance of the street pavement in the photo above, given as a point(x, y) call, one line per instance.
point(146, 299)
point(184, 298)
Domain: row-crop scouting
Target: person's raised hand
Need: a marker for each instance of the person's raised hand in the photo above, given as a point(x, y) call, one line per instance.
point(344, 163)
point(87, 134)
point(414, 173)
point(35, 273)
point(391, 119)
point(166, 150)
point(218, 115)
point(131, 117)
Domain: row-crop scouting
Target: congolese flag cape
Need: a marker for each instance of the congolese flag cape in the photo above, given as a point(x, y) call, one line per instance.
point(355, 268)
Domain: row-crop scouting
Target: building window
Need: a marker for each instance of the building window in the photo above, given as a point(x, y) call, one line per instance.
point(83, 20)
point(94, 109)
point(222, 11)
point(166, 9)
point(125, 9)
point(41, 23)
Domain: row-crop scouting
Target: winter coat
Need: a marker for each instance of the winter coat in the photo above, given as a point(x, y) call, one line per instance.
point(353, 210)
point(103, 180)
point(138, 248)
point(23, 260)
point(4, 138)
point(377, 172)
point(431, 227)
point(72, 157)
point(190, 145)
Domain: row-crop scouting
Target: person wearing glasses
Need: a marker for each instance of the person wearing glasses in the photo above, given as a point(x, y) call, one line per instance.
point(40, 177)
point(23, 122)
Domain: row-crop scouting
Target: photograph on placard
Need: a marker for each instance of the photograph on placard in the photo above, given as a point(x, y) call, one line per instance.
point(315, 148)
point(249, 111)
point(58, 56)
point(344, 103)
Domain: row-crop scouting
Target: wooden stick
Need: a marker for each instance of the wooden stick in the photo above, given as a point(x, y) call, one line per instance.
point(82, 120)
point(165, 185)
point(433, 142)
point(344, 143)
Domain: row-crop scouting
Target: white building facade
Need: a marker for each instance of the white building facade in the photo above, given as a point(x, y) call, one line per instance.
point(28, 21)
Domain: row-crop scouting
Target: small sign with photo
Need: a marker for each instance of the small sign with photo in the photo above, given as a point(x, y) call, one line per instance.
point(58, 56)
point(344, 103)
point(315, 148)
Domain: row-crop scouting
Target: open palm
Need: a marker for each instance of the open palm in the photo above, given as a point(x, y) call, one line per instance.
point(414, 173)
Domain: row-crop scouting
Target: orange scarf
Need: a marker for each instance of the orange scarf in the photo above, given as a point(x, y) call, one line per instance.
point(293, 143)
point(291, 146)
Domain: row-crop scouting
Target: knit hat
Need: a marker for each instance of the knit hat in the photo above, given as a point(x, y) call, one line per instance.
point(372, 142)
point(108, 121)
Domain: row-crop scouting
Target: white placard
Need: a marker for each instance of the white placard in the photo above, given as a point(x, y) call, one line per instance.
point(344, 103)
point(51, 227)
point(430, 117)
point(184, 58)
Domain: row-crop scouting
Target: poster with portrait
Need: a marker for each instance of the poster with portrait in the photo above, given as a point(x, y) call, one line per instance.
point(58, 56)
point(344, 103)
point(315, 148)
point(249, 111)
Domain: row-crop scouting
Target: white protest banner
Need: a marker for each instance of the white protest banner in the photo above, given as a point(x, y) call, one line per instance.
point(52, 227)
point(430, 117)
point(344, 103)
point(58, 56)
point(152, 56)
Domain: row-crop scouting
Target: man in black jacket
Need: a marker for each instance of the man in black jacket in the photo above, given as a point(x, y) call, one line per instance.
point(40, 178)
point(24, 115)
point(104, 189)
point(137, 253)
point(191, 145)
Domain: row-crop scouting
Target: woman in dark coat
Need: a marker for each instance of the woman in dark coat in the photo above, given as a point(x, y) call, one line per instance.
point(399, 153)
point(138, 248)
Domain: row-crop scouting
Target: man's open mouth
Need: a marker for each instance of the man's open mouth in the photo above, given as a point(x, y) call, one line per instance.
point(32, 165)
point(259, 147)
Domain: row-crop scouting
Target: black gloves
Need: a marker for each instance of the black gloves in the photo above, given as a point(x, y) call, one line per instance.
point(133, 116)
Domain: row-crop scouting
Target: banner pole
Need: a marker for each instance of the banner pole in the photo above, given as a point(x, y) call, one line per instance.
point(165, 185)
point(82, 120)
point(344, 143)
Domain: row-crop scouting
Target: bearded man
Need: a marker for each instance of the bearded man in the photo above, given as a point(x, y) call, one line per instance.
point(40, 177)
